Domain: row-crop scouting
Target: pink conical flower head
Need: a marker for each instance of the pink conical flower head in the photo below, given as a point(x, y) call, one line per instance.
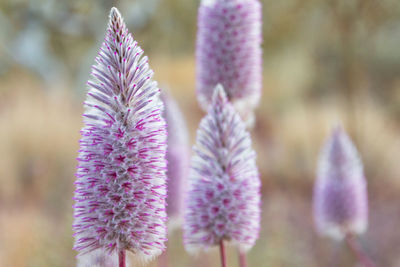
point(223, 201)
point(228, 51)
point(340, 194)
point(121, 180)
point(177, 158)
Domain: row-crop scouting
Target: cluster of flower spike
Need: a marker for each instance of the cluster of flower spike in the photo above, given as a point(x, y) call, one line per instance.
point(223, 199)
point(121, 181)
point(228, 52)
point(340, 195)
point(121, 178)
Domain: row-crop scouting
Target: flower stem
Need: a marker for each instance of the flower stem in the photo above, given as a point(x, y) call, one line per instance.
point(364, 259)
point(242, 259)
point(222, 252)
point(121, 258)
point(163, 259)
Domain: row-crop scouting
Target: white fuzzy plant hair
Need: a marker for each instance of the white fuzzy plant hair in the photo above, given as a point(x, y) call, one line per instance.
point(98, 258)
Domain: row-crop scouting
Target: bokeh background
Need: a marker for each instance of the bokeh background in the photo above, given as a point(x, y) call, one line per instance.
point(325, 62)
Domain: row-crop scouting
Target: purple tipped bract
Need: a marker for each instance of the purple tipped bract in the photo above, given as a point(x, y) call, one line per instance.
point(340, 193)
point(223, 201)
point(228, 51)
point(177, 157)
point(121, 177)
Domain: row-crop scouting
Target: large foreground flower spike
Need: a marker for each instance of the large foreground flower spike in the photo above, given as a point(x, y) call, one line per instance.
point(340, 193)
point(223, 201)
point(228, 51)
point(121, 178)
point(177, 158)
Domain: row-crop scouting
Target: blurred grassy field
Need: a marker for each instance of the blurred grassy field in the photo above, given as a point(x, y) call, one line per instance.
point(325, 63)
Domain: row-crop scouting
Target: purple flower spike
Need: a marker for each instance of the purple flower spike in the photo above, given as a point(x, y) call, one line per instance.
point(177, 157)
point(228, 51)
point(340, 194)
point(223, 201)
point(121, 177)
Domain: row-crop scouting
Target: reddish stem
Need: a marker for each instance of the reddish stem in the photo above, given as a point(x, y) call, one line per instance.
point(163, 259)
point(121, 258)
point(242, 259)
point(222, 252)
point(364, 259)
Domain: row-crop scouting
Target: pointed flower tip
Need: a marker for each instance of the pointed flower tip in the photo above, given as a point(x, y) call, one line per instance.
point(116, 17)
point(219, 94)
point(114, 13)
point(336, 135)
point(340, 147)
point(338, 130)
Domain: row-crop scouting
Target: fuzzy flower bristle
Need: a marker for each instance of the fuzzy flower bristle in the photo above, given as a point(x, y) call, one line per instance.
point(121, 177)
point(177, 158)
point(340, 193)
point(223, 200)
point(97, 258)
point(228, 51)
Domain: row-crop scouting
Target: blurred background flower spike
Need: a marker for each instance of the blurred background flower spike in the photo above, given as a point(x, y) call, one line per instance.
point(228, 51)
